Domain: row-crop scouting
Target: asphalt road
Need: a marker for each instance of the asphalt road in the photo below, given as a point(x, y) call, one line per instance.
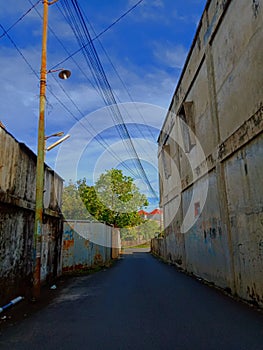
point(139, 303)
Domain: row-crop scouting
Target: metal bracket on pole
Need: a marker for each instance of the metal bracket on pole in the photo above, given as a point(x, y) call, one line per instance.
point(52, 2)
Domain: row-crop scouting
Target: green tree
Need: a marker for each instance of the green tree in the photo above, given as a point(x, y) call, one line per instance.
point(149, 229)
point(114, 199)
point(129, 233)
point(72, 205)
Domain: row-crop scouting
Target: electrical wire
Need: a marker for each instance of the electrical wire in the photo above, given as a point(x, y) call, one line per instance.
point(79, 28)
point(106, 88)
point(123, 84)
point(20, 19)
point(103, 142)
point(77, 22)
point(65, 49)
point(19, 51)
point(97, 36)
point(122, 129)
point(98, 138)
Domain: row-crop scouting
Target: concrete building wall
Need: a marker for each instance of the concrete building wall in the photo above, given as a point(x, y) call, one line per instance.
point(17, 215)
point(210, 153)
point(244, 183)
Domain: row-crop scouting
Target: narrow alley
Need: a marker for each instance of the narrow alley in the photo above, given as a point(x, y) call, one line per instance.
point(139, 303)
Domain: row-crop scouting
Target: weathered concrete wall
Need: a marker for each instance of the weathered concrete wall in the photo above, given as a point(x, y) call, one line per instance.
point(88, 244)
point(244, 183)
point(219, 98)
point(158, 247)
point(115, 242)
point(17, 214)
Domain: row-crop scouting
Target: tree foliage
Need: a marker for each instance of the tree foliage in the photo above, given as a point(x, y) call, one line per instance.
point(114, 199)
point(145, 231)
point(72, 205)
point(149, 229)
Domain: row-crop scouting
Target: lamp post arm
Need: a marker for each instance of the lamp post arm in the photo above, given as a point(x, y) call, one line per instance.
point(52, 2)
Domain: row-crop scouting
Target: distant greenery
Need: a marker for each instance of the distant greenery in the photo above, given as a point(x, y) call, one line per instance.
point(149, 229)
point(146, 231)
point(114, 199)
point(145, 245)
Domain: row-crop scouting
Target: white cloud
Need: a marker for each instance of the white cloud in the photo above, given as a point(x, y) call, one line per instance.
point(13, 7)
point(151, 84)
point(20, 83)
point(149, 81)
point(154, 3)
point(19, 92)
point(152, 10)
point(172, 55)
point(85, 155)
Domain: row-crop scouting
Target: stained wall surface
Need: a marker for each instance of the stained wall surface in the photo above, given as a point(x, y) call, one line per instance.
point(17, 215)
point(211, 153)
point(88, 244)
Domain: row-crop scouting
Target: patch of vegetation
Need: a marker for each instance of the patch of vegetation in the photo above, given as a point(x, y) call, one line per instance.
point(144, 245)
point(88, 270)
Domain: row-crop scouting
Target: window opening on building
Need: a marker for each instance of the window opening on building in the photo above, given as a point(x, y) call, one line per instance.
point(188, 127)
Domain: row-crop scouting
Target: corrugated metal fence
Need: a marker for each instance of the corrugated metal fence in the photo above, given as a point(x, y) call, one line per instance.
point(88, 244)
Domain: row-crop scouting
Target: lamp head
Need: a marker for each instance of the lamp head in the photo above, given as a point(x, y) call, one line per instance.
point(64, 74)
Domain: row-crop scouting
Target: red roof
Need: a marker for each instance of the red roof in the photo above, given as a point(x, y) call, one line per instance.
point(156, 211)
point(142, 212)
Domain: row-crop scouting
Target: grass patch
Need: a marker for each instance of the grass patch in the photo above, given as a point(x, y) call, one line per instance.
point(144, 245)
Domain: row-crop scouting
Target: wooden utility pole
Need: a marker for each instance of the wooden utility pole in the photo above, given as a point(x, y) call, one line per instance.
point(40, 158)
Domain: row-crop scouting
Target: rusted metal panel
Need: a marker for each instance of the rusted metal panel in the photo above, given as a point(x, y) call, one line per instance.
point(87, 244)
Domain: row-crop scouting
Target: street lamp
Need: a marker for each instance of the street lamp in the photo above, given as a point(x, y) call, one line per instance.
point(57, 142)
point(64, 74)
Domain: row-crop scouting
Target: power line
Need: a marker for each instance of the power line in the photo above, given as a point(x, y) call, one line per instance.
point(75, 19)
point(82, 71)
point(98, 138)
point(106, 88)
point(123, 84)
point(97, 36)
point(118, 75)
point(20, 52)
point(100, 73)
point(20, 19)
point(103, 142)
point(117, 20)
point(77, 22)
point(65, 49)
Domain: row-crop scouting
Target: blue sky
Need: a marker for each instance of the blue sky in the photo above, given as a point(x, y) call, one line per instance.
point(147, 47)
